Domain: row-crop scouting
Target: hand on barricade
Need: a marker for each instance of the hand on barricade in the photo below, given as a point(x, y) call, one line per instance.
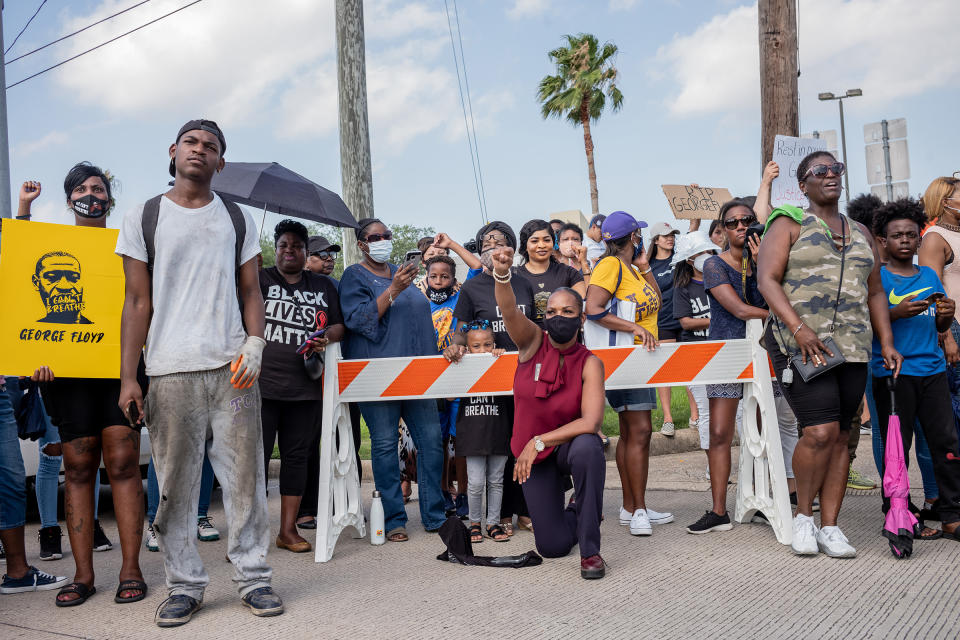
point(498, 352)
point(454, 353)
point(646, 338)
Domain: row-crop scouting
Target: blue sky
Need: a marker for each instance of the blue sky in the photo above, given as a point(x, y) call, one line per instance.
point(266, 72)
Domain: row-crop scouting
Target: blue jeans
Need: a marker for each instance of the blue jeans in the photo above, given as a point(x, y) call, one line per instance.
point(921, 449)
point(421, 417)
point(48, 477)
point(13, 494)
point(206, 488)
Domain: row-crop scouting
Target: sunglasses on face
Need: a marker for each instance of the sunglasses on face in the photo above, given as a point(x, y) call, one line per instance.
point(746, 221)
point(821, 170)
point(323, 255)
point(377, 237)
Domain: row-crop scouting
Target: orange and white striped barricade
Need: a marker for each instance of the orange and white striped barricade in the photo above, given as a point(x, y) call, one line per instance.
point(762, 480)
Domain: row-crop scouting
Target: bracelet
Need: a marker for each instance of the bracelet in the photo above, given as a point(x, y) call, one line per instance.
point(797, 330)
point(502, 279)
point(390, 295)
point(26, 217)
point(649, 269)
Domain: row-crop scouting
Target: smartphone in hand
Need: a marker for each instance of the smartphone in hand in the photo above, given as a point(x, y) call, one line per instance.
point(412, 258)
point(302, 349)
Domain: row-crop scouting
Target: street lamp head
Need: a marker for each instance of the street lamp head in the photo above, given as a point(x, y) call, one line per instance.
point(853, 93)
point(826, 96)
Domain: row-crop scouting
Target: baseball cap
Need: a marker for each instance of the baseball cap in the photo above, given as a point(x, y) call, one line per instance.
point(619, 224)
point(318, 244)
point(662, 229)
point(203, 125)
point(596, 220)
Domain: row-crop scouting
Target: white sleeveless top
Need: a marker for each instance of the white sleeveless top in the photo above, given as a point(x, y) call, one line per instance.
point(951, 272)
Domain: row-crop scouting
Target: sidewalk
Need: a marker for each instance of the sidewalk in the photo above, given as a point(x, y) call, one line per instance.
point(739, 584)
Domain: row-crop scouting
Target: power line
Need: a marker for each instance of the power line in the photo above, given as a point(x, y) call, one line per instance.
point(476, 144)
point(83, 53)
point(70, 35)
point(25, 27)
point(463, 106)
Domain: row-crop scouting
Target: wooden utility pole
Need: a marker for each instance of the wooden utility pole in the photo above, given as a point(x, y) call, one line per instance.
point(778, 73)
point(6, 205)
point(355, 167)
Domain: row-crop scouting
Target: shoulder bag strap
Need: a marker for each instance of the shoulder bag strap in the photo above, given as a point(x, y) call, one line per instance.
point(843, 255)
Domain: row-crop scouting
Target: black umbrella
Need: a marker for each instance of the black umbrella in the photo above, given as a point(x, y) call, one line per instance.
point(273, 187)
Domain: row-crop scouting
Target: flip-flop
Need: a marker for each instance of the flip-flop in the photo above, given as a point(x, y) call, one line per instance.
point(508, 528)
point(78, 588)
point(131, 585)
point(398, 534)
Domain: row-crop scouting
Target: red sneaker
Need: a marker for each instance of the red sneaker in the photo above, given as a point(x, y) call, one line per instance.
point(592, 568)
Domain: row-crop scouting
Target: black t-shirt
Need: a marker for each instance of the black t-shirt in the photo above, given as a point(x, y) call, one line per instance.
point(543, 284)
point(484, 426)
point(477, 301)
point(293, 312)
point(663, 273)
point(692, 301)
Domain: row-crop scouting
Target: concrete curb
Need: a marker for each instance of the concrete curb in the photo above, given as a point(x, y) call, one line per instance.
point(660, 445)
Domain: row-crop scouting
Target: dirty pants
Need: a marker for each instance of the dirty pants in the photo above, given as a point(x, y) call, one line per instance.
point(187, 414)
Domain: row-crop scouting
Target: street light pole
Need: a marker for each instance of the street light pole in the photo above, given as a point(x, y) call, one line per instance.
point(851, 93)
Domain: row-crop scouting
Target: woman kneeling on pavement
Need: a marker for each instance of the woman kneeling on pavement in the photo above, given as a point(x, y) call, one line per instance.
point(558, 407)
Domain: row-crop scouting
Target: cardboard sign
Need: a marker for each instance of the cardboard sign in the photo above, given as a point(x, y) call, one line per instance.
point(787, 153)
point(62, 292)
point(690, 203)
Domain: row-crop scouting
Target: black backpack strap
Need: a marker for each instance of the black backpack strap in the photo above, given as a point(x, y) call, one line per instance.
point(239, 229)
point(148, 224)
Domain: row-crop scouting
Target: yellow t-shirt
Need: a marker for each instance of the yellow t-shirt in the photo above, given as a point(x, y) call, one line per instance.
point(633, 287)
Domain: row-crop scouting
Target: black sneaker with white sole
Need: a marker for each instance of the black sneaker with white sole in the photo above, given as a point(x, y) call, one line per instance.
point(263, 602)
point(100, 540)
point(50, 543)
point(710, 522)
point(176, 610)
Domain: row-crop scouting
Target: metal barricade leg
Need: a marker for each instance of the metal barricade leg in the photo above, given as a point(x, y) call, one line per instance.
point(762, 484)
point(339, 503)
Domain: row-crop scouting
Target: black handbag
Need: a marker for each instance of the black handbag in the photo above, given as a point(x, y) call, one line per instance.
point(808, 371)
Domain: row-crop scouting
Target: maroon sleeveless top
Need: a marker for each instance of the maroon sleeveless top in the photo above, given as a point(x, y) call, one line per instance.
point(546, 394)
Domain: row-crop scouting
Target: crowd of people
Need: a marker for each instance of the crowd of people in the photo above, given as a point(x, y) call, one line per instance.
point(846, 308)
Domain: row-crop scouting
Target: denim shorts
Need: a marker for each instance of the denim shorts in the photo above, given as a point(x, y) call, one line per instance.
point(632, 399)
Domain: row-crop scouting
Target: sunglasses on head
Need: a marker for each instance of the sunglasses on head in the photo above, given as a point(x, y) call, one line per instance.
point(821, 170)
point(732, 223)
point(377, 237)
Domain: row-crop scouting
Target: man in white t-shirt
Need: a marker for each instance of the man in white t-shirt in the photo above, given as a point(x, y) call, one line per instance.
point(203, 357)
point(594, 241)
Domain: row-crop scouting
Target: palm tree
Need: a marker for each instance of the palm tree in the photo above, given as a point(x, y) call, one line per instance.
point(578, 92)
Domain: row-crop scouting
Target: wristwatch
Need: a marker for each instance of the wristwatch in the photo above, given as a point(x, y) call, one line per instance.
point(538, 444)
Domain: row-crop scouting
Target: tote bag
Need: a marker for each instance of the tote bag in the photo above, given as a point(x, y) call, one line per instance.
point(596, 336)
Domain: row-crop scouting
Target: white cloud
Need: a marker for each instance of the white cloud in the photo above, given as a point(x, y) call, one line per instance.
point(527, 8)
point(52, 139)
point(623, 5)
point(871, 44)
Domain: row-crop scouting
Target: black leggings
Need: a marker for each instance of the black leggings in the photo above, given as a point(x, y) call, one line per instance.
point(308, 506)
point(296, 425)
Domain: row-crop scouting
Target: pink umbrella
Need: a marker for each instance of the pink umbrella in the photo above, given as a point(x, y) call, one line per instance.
point(900, 526)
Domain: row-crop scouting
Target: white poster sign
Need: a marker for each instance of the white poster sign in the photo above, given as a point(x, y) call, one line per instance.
point(787, 153)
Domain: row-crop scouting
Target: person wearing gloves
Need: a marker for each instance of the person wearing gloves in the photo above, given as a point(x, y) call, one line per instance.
point(191, 258)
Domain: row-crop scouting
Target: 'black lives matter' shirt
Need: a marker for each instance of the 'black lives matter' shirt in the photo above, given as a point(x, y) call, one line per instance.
point(692, 301)
point(292, 312)
point(478, 302)
point(484, 426)
point(543, 284)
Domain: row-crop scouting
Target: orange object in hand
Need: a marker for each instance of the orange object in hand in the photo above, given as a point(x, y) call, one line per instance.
point(235, 379)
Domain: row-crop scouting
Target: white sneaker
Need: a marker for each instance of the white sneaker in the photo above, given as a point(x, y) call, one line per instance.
point(205, 530)
point(833, 543)
point(640, 523)
point(151, 541)
point(659, 518)
point(668, 429)
point(804, 536)
point(625, 516)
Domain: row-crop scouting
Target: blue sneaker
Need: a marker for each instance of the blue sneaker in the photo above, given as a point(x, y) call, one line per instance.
point(449, 507)
point(463, 509)
point(263, 602)
point(32, 580)
point(176, 610)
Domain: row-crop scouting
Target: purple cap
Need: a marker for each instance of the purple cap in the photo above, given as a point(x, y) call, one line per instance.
point(619, 224)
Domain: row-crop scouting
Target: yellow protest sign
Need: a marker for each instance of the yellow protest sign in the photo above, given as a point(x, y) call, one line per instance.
point(62, 292)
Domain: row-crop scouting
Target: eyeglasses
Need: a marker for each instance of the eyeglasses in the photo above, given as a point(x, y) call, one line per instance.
point(821, 170)
point(325, 255)
point(746, 221)
point(476, 325)
point(495, 239)
point(377, 237)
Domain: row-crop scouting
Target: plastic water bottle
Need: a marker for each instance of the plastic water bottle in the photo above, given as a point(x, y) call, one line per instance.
point(376, 520)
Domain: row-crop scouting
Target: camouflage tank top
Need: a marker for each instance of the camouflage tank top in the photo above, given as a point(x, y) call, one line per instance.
point(810, 283)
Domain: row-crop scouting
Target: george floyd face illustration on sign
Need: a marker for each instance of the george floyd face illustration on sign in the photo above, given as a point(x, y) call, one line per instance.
point(57, 280)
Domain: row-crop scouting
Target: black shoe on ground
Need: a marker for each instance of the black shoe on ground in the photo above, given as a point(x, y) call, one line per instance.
point(50, 543)
point(710, 522)
point(793, 502)
point(176, 610)
point(263, 602)
point(100, 540)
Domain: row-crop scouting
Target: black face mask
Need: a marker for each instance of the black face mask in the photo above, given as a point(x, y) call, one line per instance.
point(91, 206)
point(561, 328)
point(439, 296)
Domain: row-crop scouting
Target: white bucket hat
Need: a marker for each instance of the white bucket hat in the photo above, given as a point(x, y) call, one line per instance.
point(690, 245)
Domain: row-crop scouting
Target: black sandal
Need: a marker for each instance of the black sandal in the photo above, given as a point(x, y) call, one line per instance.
point(131, 585)
point(78, 588)
point(497, 530)
point(476, 534)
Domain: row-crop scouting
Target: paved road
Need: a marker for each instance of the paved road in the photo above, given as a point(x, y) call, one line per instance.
point(740, 584)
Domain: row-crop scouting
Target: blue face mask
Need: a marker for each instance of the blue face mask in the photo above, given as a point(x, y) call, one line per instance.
point(380, 251)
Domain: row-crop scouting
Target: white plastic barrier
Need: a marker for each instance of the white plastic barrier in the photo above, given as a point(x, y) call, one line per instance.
point(762, 480)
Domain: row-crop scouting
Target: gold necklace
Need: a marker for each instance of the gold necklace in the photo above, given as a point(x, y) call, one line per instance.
point(948, 227)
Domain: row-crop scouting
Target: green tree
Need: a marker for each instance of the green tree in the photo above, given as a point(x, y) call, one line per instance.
point(584, 80)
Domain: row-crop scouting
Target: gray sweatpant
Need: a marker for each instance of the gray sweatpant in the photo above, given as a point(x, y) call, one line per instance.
point(485, 470)
point(187, 414)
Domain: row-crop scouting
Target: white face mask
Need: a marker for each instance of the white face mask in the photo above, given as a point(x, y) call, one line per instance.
point(700, 261)
point(380, 251)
